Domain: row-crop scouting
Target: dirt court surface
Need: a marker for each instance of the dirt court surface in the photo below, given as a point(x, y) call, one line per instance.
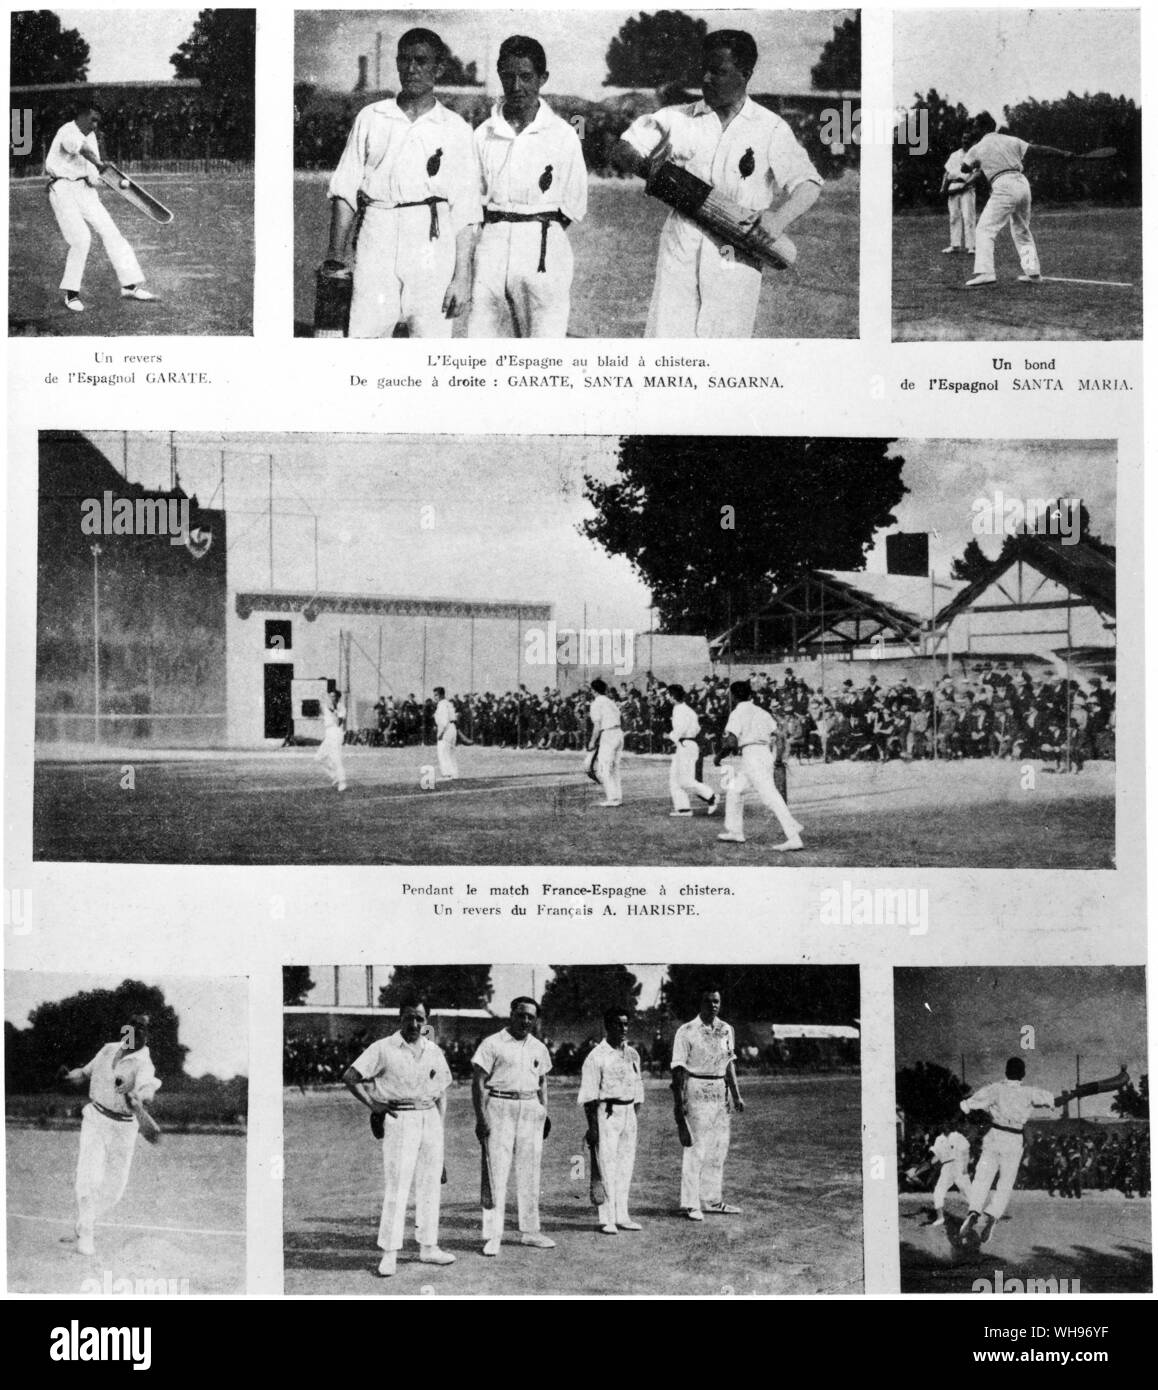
point(527, 807)
point(615, 248)
point(929, 303)
point(793, 1169)
point(200, 265)
point(1101, 1239)
point(179, 1229)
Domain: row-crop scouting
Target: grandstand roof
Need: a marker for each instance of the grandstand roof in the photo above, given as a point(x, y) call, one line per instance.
point(1089, 573)
point(171, 82)
point(379, 1011)
point(382, 605)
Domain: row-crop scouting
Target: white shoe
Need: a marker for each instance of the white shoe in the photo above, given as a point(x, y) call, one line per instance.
point(492, 1246)
point(792, 842)
point(609, 803)
point(630, 1226)
point(679, 815)
point(537, 1240)
point(432, 1255)
point(940, 1221)
point(137, 292)
point(75, 304)
point(341, 786)
point(1030, 279)
point(949, 250)
point(713, 805)
point(388, 1264)
point(733, 839)
point(610, 1229)
point(695, 1214)
point(979, 280)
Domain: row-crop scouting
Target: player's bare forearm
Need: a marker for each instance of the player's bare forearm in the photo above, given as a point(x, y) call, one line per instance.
point(478, 1080)
point(355, 1085)
point(1050, 152)
point(73, 1076)
point(733, 1086)
point(794, 206)
point(456, 300)
point(341, 223)
point(591, 1110)
point(679, 1089)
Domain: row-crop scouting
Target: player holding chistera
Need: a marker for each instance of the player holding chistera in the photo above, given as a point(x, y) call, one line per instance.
point(999, 157)
point(446, 733)
point(950, 1151)
point(509, 1090)
point(534, 185)
point(727, 153)
point(611, 1092)
point(703, 1083)
point(403, 1080)
point(606, 742)
point(685, 734)
point(329, 752)
point(749, 732)
point(121, 1082)
point(406, 190)
point(74, 167)
point(962, 201)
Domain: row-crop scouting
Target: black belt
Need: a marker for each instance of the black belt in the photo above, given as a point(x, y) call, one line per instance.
point(611, 1104)
point(1001, 174)
point(112, 1114)
point(699, 1076)
point(513, 1095)
point(63, 178)
point(431, 203)
point(1005, 1129)
point(545, 218)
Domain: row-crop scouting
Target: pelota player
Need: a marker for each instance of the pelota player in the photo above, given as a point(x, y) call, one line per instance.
point(73, 166)
point(611, 1092)
point(406, 192)
point(121, 1082)
point(403, 1080)
point(534, 185)
point(950, 1151)
point(329, 752)
point(606, 742)
point(703, 1083)
point(749, 732)
point(509, 1090)
point(705, 288)
point(446, 734)
point(685, 734)
point(961, 198)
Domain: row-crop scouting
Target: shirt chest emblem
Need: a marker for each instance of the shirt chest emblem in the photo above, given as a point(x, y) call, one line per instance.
point(747, 163)
point(546, 178)
point(434, 163)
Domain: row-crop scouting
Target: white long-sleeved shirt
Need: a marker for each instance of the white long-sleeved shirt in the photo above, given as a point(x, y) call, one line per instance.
point(114, 1073)
point(445, 714)
point(604, 714)
point(64, 159)
point(611, 1073)
point(951, 1148)
point(996, 154)
point(704, 1048)
point(751, 725)
point(512, 1064)
point(1009, 1103)
point(685, 723)
point(392, 1069)
point(539, 169)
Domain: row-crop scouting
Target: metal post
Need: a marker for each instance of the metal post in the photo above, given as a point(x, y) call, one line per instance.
point(96, 644)
point(1069, 692)
point(369, 986)
point(335, 986)
point(1078, 1100)
point(271, 521)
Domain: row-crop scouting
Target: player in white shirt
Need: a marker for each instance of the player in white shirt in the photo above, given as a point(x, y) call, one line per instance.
point(611, 1092)
point(950, 1150)
point(403, 1080)
point(446, 732)
point(704, 289)
point(607, 742)
point(329, 752)
point(962, 203)
point(509, 1090)
point(534, 185)
point(1010, 1105)
point(406, 190)
point(703, 1082)
point(749, 732)
point(121, 1078)
point(999, 157)
point(74, 165)
point(685, 734)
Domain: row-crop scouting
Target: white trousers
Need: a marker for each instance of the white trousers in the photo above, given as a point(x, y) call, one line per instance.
point(329, 754)
point(102, 1165)
point(77, 208)
point(607, 764)
point(400, 274)
point(412, 1151)
point(617, 1141)
point(706, 1112)
point(755, 770)
point(510, 296)
point(1000, 1159)
point(952, 1175)
point(1010, 202)
point(516, 1139)
point(701, 290)
point(963, 218)
point(447, 762)
point(682, 778)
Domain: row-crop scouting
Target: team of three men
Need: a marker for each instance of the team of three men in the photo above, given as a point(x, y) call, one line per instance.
point(443, 222)
point(404, 1079)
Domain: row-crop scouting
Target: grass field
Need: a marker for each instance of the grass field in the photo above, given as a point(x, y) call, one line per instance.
point(615, 248)
point(182, 1217)
point(1102, 1240)
point(793, 1169)
point(529, 807)
point(200, 265)
point(930, 303)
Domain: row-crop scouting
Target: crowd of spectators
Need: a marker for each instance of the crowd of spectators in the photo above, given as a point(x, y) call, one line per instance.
point(999, 714)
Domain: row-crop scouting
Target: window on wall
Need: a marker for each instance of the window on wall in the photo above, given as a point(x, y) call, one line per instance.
point(278, 634)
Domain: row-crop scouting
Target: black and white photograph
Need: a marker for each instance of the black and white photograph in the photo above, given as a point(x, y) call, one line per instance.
point(576, 173)
point(125, 1107)
point(1017, 175)
point(626, 650)
point(130, 166)
point(572, 1129)
point(1023, 1130)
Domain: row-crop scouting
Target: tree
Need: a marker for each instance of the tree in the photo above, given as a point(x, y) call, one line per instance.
point(767, 993)
point(70, 1032)
point(657, 50)
point(219, 53)
point(838, 68)
point(43, 50)
point(580, 992)
point(296, 983)
point(971, 565)
point(748, 514)
point(442, 986)
point(929, 1094)
point(456, 74)
point(932, 128)
point(1133, 1102)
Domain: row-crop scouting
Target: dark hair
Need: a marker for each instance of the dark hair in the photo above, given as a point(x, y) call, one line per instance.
point(413, 37)
point(520, 46)
point(525, 999)
point(742, 46)
point(138, 1024)
point(678, 693)
point(440, 689)
point(599, 686)
point(85, 106)
point(711, 988)
point(412, 1001)
point(741, 690)
point(611, 1015)
point(1014, 1069)
point(985, 121)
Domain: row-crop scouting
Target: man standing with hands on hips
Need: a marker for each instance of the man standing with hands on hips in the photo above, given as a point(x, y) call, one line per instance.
point(703, 1082)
